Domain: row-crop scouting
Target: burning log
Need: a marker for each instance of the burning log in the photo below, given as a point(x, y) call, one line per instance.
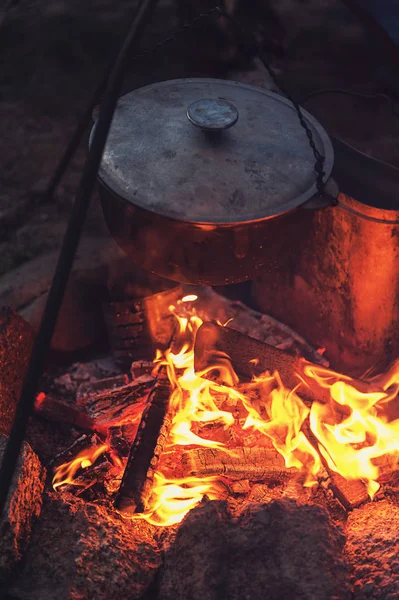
point(55, 410)
point(119, 405)
point(251, 358)
point(351, 493)
point(121, 438)
point(253, 464)
point(143, 458)
point(248, 357)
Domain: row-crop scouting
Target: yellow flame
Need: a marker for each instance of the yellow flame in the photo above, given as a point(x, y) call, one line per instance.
point(172, 499)
point(353, 429)
point(86, 458)
point(354, 425)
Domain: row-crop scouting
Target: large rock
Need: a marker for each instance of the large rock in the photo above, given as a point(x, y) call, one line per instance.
point(279, 551)
point(23, 506)
point(16, 340)
point(84, 551)
point(372, 550)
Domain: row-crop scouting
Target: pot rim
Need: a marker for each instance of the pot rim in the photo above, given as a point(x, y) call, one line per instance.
point(288, 206)
point(206, 225)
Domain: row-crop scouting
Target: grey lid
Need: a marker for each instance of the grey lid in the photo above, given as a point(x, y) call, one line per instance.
point(260, 166)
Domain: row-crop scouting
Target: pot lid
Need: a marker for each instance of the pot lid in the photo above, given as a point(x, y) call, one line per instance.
point(211, 151)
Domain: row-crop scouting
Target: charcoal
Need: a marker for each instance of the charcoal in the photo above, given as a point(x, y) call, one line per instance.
point(23, 506)
point(372, 551)
point(277, 551)
point(83, 550)
point(87, 390)
point(16, 340)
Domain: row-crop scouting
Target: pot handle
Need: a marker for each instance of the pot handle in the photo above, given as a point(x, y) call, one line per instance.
point(329, 198)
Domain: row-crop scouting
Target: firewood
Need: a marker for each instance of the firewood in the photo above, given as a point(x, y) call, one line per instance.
point(247, 356)
point(121, 405)
point(351, 493)
point(93, 388)
point(121, 438)
point(52, 409)
point(136, 485)
point(211, 306)
point(254, 464)
point(250, 358)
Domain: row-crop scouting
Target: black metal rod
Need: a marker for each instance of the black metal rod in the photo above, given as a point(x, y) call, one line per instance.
point(67, 253)
point(80, 129)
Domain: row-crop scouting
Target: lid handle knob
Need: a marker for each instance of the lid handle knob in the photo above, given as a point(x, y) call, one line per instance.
point(212, 114)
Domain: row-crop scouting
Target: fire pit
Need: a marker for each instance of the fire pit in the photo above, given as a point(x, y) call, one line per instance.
point(236, 441)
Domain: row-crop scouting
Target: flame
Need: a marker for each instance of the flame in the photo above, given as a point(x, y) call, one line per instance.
point(172, 499)
point(280, 415)
point(351, 427)
point(356, 436)
point(65, 474)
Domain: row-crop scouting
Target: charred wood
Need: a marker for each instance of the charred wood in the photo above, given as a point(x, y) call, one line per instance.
point(120, 405)
point(93, 388)
point(144, 455)
point(351, 493)
point(253, 464)
point(216, 345)
point(121, 438)
point(52, 409)
point(247, 356)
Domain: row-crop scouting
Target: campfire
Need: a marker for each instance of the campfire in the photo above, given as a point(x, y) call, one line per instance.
point(217, 411)
point(236, 440)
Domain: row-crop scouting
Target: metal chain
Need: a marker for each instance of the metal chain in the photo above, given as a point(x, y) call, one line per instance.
point(320, 159)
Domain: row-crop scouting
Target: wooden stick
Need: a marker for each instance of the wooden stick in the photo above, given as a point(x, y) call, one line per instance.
point(57, 411)
point(253, 464)
point(144, 454)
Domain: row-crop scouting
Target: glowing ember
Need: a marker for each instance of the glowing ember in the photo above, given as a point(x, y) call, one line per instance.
point(355, 432)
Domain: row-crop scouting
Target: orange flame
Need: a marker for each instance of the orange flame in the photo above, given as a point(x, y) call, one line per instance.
point(354, 429)
point(65, 474)
point(354, 426)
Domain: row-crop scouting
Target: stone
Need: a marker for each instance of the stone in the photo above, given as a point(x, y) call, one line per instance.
point(16, 340)
point(372, 551)
point(276, 551)
point(22, 508)
point(85, 551)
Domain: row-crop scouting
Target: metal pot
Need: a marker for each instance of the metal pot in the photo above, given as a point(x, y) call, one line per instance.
point(203, 180)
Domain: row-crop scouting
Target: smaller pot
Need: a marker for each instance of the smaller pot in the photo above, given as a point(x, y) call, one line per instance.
point(204, 181)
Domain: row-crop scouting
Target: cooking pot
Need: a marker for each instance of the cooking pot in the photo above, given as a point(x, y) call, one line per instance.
point(204, 181)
